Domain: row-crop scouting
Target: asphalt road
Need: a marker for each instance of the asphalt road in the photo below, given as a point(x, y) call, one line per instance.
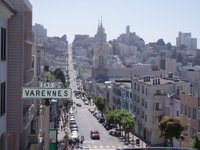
point(87, 122)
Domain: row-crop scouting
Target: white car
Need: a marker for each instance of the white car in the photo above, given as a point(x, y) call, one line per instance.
point(86, 103)
point(74, 135)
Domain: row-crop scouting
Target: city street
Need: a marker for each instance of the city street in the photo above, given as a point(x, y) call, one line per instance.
point(87, 122)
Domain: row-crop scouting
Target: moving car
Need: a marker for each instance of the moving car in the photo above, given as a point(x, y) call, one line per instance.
point(94, 134)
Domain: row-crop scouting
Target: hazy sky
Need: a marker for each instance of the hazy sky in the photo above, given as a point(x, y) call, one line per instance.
point(150, 19)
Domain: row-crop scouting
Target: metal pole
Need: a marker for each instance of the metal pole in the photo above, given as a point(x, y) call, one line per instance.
point(46, 135)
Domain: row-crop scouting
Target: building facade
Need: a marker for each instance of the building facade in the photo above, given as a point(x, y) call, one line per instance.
point(187, 40)
point(21, 119)
point(148, 103)
point(6, 12)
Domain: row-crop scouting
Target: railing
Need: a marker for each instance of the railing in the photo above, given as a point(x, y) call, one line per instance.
point(28, 116)
point(29, 37)
point(29, 75)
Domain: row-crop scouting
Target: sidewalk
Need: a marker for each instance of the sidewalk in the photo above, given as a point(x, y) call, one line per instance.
point(63, 130)
point(138, 143)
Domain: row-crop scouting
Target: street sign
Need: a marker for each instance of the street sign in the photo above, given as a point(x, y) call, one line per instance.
point(52, 135)
point(41, 93)
point(47, 84)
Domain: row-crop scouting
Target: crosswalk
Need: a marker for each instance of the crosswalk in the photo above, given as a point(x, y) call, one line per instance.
point(107, 147)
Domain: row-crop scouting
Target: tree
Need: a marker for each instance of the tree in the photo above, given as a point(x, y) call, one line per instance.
point(196, 142)
point(169, 46)
point(170, 128)
point(127, 123)
point(161, 42)
point(100, 103)
point(60, 75)
point(121, 118)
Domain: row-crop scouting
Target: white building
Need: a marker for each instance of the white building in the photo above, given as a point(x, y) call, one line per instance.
point(40, 34)
point(149, 94)
point(187, 40)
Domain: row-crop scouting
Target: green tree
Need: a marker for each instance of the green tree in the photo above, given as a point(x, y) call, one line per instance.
point(170, 128)
point(196, 142)
point(127, 122)
point(47, 75)
point(100, 104)
point(121, 118)
point(58, 73)
point(68, 103)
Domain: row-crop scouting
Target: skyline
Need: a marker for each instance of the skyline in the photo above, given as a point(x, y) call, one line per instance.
point(150, 20)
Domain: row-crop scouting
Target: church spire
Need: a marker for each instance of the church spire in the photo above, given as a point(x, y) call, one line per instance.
point(101, 22)
point(101, 35)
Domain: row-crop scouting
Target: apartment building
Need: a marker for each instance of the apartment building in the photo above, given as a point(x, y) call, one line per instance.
point(187, 40)
point(188, 117)
point(18, 123)
point(148, 103)
point(122, 96)
point(6, 11)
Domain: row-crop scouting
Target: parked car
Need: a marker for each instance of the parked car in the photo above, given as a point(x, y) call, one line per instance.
point(78, 104)
point(86, 102)
point(114, 132)
point(94, 134)
point(108, 126)
point(101, 120)
point(74, 129)
point(74, 135)
point(92, 110)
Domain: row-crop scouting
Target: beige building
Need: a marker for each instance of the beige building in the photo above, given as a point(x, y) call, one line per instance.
point(188, 117)
point(148, 103)
point(18, 120)
point(6, 11)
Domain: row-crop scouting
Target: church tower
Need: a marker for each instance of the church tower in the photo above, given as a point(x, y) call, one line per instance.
point(101, 52)
point(101, 35)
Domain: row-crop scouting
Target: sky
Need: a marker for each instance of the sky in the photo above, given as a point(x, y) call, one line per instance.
point(149, 19)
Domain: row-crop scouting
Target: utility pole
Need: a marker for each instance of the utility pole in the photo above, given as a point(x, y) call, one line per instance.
point(46, 135)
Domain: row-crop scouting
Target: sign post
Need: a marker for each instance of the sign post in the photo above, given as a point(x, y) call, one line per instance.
point(47, 90)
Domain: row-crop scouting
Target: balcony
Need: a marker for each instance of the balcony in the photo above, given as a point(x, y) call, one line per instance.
point(28, 37)
point(28, 75)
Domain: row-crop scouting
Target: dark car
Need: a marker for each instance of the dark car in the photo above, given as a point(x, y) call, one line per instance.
point(78, 104)
point(114, 132)
point(94, 134)
point(101, 120)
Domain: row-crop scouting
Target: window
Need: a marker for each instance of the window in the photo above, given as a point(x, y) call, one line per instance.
point(134, 85)
point(158, 106)
point(134, 97)
point(199, 102)
point(142, 101)
point(3, 98)
point(143, 89)
point(181, 108)
point(131, 95)
point(177, 113)
point(189, 112)
point(194, 113)
point(138, 99)
point(142, 114)
point(145, 104)
point(185, 110)
point(3, 44)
